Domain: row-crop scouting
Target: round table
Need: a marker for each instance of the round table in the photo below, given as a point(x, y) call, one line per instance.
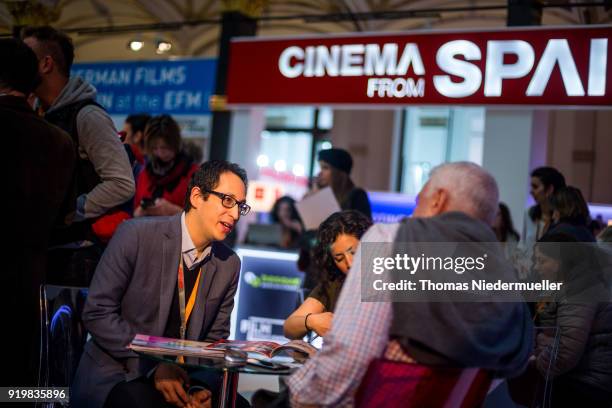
point(229, 370)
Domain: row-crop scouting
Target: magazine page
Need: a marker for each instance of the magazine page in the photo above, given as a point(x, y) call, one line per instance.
point(265, 348)
point(170, 346)
point(301, 346)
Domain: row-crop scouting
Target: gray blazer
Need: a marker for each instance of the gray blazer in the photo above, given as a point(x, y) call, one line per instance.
point(131, 292)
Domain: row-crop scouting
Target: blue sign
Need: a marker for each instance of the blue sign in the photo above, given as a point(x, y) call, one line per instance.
point(390, 207)
point(172, 87)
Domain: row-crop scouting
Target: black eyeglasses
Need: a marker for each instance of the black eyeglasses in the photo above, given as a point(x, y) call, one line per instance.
point(229, 202)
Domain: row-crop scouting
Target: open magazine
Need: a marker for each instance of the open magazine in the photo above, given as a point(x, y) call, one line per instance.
point(176, 347)
point(268, 349)
point(173, 347)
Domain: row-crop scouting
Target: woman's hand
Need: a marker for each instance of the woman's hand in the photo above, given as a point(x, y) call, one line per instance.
point(161, 207)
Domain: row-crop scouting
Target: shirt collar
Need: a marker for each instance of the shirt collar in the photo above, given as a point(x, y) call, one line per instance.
point(188, 249)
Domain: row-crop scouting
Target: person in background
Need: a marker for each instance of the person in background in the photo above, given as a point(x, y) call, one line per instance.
point(134, 128)
point(570, 214)
point(336, 165)
point(504, 230)
point(40, 159)
point(162, 185)
point(597, 225)
point(284, 213)
point(582, 367)
point(544, 182)
point(337, 241)
point(104, 179)
point(193, 150)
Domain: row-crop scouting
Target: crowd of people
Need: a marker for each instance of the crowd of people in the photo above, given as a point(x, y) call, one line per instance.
point(141, 224)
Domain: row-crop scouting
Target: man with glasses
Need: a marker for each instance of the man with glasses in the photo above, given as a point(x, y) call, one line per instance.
point(163, 276)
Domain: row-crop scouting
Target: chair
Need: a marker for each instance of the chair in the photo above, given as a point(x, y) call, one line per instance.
point(533, 389)
point(392, 384)
point(63, 335)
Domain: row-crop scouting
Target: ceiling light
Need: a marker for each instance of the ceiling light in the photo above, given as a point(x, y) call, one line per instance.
point(135, 45)
point(163, 47)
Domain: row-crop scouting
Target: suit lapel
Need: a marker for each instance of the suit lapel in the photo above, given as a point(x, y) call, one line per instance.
point(200, 314)
point(170, 258)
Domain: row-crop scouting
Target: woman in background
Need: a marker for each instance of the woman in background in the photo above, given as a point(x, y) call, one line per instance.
point(337, 241)
point(570, 214)
point(336, 165)
point(161, 187)
point(504, 230)
point(284, 213)
point(582, 316)
point(544, 182)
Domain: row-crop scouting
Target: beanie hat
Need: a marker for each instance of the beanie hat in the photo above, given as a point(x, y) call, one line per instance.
point(338, 158)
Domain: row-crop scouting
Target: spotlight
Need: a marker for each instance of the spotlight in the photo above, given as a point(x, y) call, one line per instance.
point(135, 45)
point(263, 160)
point(163, 47)
point(280, 165)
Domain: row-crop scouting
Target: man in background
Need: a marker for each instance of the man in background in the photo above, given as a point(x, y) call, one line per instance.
point(40, 160)
point(134, 128)
point(103, 174)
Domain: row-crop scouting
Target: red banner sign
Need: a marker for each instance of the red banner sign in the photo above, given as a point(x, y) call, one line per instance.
point(536, 66)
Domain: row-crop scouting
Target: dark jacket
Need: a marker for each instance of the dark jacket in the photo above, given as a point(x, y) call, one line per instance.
point(585, 342)
point(39, 160)
point(357, 199)
point(495, 336)
point(579, 232)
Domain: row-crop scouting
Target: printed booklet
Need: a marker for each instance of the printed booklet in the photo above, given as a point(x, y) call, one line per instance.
point(169, 346)
point(268, 349)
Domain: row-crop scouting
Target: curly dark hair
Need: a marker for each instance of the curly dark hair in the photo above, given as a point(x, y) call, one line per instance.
point(350, 222)
point(207, 177)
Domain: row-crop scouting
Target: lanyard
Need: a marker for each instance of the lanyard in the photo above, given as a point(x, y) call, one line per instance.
point(186, 309)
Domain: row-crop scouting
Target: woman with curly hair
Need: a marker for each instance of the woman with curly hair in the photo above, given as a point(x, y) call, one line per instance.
point(337, 241)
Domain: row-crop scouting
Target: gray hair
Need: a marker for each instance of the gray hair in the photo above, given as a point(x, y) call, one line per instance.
point(471, 189)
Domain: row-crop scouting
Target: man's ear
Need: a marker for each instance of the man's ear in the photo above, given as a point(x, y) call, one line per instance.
point(550, 190)
point(439, 201)
point(46, 64)
point(195, 196)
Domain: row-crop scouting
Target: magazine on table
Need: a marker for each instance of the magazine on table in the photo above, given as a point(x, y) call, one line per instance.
point(298, 349)
point(268, 349)
point(173, 347)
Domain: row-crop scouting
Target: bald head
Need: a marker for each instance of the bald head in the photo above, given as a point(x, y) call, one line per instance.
point(460, 186)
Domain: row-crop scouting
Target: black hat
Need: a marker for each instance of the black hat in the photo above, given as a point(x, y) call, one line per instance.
point(338, 158)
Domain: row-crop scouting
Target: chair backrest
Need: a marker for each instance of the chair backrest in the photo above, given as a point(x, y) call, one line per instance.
point(63, 335)
point(543, 392)
point(393, 384)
